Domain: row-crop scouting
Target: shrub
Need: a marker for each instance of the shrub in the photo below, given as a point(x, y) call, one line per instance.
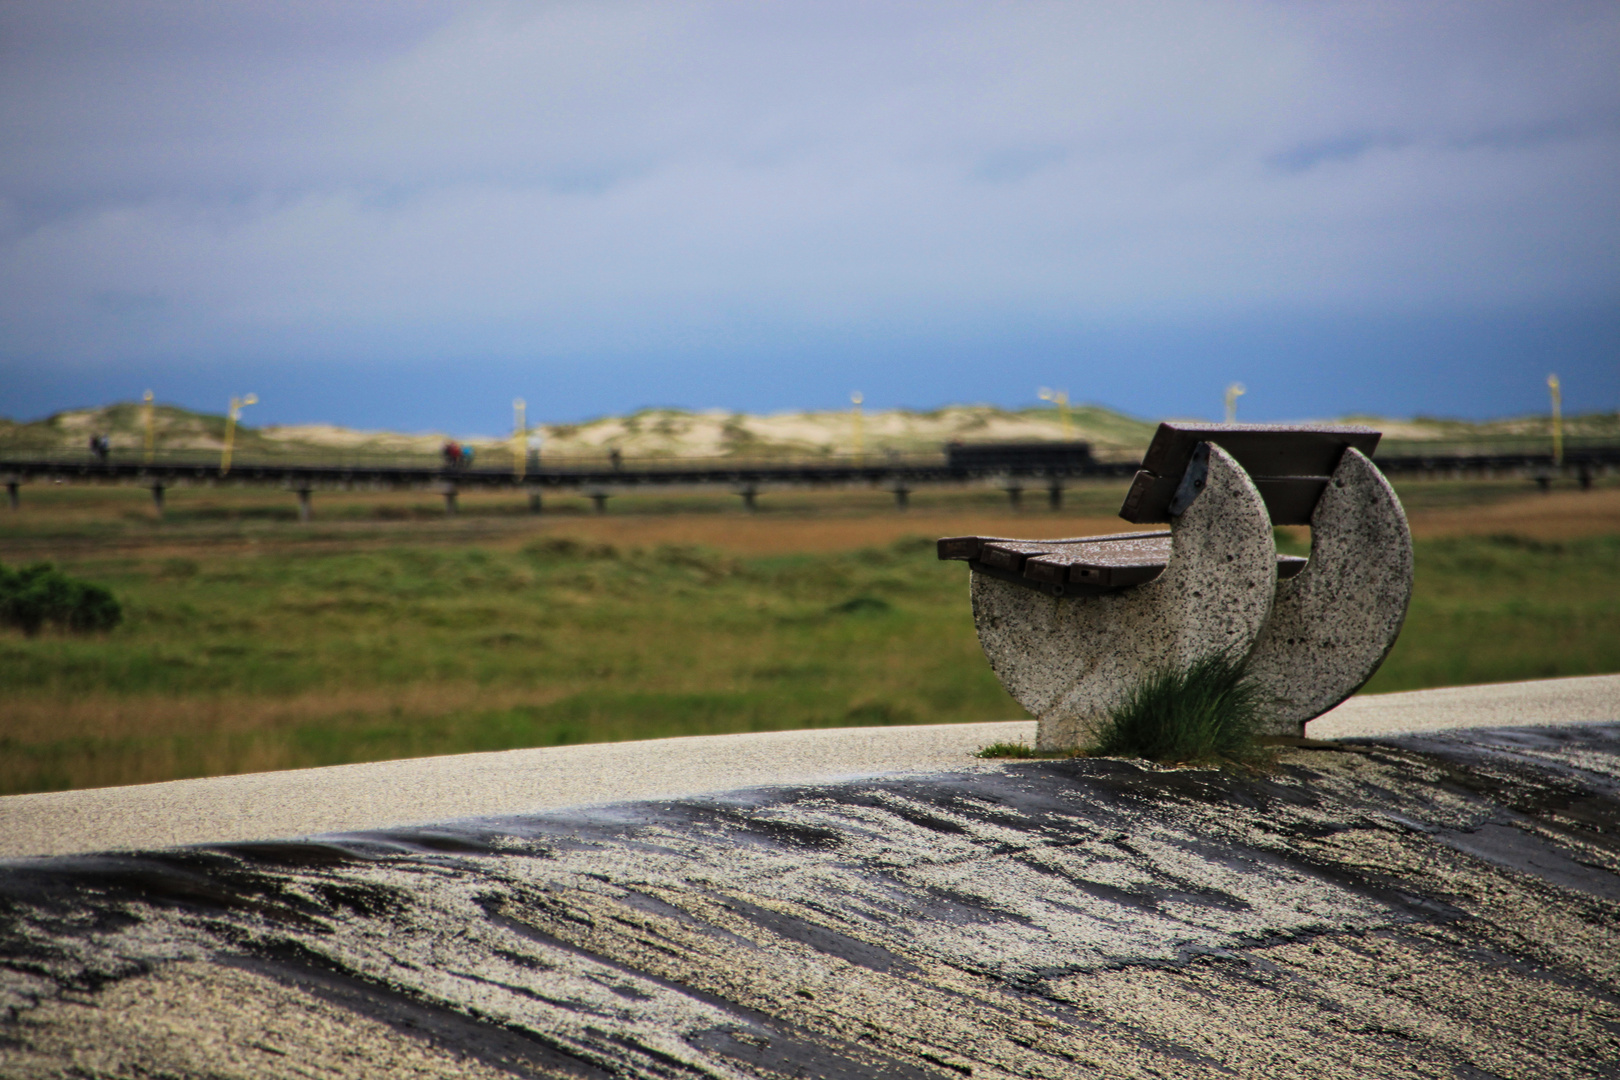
point(1207, 713)
point(40, 594)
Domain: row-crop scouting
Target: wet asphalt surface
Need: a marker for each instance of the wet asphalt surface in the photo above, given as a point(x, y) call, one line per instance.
point(1445, 905)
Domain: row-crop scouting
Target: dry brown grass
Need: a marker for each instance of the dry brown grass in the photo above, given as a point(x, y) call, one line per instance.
point(74, 520)
point(760, 536)
point(79, 521)
point(1560, 515)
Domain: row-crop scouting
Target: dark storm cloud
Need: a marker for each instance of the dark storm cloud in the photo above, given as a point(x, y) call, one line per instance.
point(581, 177)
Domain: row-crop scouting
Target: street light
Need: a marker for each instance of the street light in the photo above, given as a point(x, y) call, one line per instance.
point(1060, 398)
point(147, 397)
point(1556, 390)
point(230, 429)
point(1233, 392)
point(856, 399)
point(520, 430)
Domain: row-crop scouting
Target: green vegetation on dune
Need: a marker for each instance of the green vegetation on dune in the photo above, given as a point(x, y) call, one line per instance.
point(234, 661)
point(663, 434)
point(648, 434)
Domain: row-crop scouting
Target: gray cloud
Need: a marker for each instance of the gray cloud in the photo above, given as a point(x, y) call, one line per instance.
point(604, 175)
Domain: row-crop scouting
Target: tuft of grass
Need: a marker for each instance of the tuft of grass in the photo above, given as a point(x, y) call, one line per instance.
point(1020, 750)
point(1206, 714)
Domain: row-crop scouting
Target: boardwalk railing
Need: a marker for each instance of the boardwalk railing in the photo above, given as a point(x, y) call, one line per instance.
point(600, 478)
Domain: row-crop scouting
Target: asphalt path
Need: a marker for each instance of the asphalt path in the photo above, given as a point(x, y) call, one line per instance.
point(1441, 904)
point(393, 794)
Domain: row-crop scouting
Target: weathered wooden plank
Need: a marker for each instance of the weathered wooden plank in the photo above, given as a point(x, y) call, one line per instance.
point(1149, 495)
point(1262, 449)
point(967, 547)
point(1291, 500)
point(1290, 464)
point(1108, 565)
point(1101, 562)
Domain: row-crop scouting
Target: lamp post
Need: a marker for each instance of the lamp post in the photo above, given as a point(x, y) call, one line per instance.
point(520, 459)
point(150, 440)
point(1556, 390)
point(860, 449)
point(1060, 398)
point(1233, 392)
point(230, 429)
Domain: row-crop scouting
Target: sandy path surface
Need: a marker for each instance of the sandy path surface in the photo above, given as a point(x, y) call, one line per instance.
point(1589, 699)
point(261, 806)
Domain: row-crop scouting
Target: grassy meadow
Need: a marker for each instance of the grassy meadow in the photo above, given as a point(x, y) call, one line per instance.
point(384, 629)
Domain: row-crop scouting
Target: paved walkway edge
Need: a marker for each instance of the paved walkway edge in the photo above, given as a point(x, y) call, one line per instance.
point(347, 798)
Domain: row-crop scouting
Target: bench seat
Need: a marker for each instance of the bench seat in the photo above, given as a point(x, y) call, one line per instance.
point(1083, 564)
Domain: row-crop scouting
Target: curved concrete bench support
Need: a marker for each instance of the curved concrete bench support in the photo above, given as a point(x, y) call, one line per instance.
point(1069, 660)
point(1334, 622)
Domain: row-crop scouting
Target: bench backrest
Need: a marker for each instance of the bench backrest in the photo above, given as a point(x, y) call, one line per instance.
point(1290, 464)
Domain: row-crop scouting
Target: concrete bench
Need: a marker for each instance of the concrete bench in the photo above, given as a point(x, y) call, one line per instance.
point(1070, 626)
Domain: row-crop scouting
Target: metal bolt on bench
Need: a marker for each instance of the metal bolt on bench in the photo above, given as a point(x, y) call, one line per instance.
point(1071, 626)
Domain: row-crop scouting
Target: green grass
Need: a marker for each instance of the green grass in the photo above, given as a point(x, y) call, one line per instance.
point(1503, 608)
point(1205, 714)
point(250, 657)
point(240, 662)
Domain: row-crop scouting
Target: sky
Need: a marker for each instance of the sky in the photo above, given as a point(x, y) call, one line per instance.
point(406, 214)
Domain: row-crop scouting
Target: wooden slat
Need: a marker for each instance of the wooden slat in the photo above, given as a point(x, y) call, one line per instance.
point(959, 547)
point(1147, 491)
point(1084, 564)
point(1262, 449)
point(1291, 500)
point(1289, 464)
point(1011, 554)
point(968, 547)
point(1103, 561)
